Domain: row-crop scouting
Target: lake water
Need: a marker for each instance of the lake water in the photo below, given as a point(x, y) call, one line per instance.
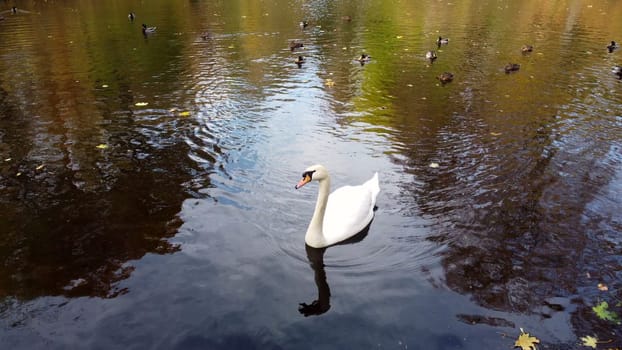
point(147, 193)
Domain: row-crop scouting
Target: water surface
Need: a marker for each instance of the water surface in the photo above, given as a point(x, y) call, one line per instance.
point(147, 182)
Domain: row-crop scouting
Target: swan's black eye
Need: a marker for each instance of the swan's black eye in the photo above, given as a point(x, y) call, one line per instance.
point(308, 173)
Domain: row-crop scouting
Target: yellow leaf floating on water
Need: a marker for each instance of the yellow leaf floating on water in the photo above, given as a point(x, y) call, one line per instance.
point(40, 167)
point(18, 174)
point(434, 165)
point(329, 82)
point(102, 146)
point(184, 114)
point(105, 85)
point(7, 160)
point(603, 287)
point(141, 104)
point(399, 37)
point(526, 342)
point(589, 341)
point(495, 133)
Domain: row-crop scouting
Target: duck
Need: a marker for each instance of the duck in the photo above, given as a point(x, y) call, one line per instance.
point(295, 45)
point(299, 61)
point(341, 214)
point(14, 10)
point(511, 67)
point(526, 48)
point(148, 30)
point(617, 70)
point(431, 56)
point(303, 24)
point(612, 46)
point(131, 16)
point(442, 41)
point(364, 58)
point(445, 77)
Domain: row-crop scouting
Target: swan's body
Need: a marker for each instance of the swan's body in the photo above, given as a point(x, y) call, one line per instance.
point(341, 214)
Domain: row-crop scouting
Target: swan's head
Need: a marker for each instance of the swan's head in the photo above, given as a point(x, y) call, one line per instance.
point(313, 173)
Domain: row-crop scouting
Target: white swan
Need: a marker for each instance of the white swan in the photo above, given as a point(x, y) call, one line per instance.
point(343, 213)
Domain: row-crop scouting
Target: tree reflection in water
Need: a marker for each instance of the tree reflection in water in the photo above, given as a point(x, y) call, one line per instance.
point(65, 232)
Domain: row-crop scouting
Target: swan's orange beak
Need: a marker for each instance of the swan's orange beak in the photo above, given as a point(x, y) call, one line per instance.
point(305, 180)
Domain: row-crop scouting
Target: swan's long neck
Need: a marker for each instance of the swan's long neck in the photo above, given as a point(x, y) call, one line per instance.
point(315, 235)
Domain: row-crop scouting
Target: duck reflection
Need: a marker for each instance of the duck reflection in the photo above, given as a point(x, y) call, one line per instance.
point(316, 261)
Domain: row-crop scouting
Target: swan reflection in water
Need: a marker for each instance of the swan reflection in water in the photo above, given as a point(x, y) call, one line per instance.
point(316, 261)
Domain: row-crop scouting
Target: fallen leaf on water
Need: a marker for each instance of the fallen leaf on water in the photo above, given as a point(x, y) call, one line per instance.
point(7, 160)
point(602, 311)
point(399, 37)
point(525, 341)
point(434, 165)
point(602, 287)
point(18, 174)
point(589, 341)
point(184, 114)
point(140, 104)
point(329, 82)
point(495, 133)
point(40, 167)
point(102, 146)
point(105, 85)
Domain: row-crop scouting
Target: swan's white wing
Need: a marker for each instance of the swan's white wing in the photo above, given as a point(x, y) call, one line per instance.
point(348, 211)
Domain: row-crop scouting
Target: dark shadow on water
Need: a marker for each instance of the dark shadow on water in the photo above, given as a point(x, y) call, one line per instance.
point(316, 261)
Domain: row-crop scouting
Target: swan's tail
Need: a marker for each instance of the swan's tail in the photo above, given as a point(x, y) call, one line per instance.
point(374, 186)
